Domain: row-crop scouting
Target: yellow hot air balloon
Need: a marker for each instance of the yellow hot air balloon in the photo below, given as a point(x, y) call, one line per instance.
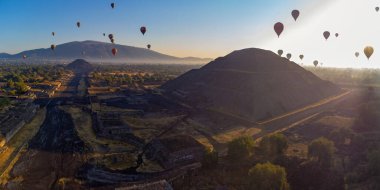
point(368, 51)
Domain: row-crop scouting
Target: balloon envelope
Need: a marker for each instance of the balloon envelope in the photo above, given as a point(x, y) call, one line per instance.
point(78, 24)
point(114, 51)
point(336, 35)
point(52, 47)
point(368, 51)
point(295, 14)
point(326, 34)
point(280, 52)
point(148, 46)
point(357, 54)
point(53, 33)
point(301, 57)
point(377, 9)
point(143, 30)
point(279, 28)
point(315, 63)
point(288, 55)
point(113, 5)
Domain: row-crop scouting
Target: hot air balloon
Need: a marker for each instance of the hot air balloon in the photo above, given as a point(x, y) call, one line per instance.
point(52, 47)
point(104, 34)
point(288, 55)
point(357, 54)
point(326, 34)
point(336, 35)
point(295, 14)
point(301, 57)
point(112, 40)
point(377, 9)
point(110, 36)
point(368, 51)
point(114, 51)
point(278, 28)
point(113, 5)
point(315, 63)
point(143, 30)
point(53, 33)
point(280, 52)
point(148, 46)
point(78, 24)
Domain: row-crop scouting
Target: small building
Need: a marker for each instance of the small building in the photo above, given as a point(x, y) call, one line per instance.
point(14, 119)
point(175, 151)
point(109, 125)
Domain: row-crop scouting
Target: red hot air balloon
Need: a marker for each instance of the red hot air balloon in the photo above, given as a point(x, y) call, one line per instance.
point(143, 30)
point(279, 28)
point(326, 34)
point(295, 14)
point(114, 51)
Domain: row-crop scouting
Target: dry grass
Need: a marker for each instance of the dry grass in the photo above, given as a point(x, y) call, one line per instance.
point(336, 121)
point(17, 144)
point(232, 134)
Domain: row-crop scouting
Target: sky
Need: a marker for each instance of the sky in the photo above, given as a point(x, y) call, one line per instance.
point(200, 28)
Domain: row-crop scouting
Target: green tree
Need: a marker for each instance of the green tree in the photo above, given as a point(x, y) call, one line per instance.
point(267, 177)
point(10, 83)
point(374, 162)
point(4, 102)
point(322, 150)
point(21, 87)
point(240, 148)
point(210, 159)
point(273, 146)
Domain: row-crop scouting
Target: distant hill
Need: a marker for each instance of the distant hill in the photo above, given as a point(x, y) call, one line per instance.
point(80, 65)
point(250, 83)
point(101, 52)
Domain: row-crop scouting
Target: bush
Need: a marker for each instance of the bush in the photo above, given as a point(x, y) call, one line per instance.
point(273, 146)
point(241, 148)
point(374, 162)
point(267, 177)
point(322, 150)
point(210, 159)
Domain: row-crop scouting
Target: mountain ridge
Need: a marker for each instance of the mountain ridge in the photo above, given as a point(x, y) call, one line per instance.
point(95, 51)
